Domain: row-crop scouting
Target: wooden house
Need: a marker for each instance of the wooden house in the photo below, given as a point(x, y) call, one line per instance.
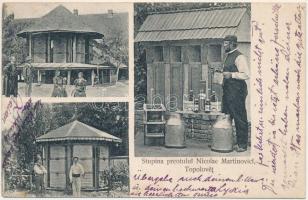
point(76, 139)
point(61, 40)
point(183, 48)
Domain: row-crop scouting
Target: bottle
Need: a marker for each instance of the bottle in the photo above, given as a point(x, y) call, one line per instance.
point(191, 95)
point(196, 105)
point(214, 102)
point(207, 106)
point(202, 96)
point(213, 97)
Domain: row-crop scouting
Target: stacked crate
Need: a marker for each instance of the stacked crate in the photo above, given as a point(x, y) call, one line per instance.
point(154, 124)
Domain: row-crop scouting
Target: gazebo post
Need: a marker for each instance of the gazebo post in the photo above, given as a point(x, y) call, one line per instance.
point(30, 45)
point(97, 158)
point(48, 165)
point(102, 76)
point(69, 77)
point(67, 181)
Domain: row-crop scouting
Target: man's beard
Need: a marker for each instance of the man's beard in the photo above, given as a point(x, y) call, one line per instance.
point(227, 49)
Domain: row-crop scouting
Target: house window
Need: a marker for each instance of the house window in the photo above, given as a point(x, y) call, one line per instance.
point(158, 54)
point(194, 53)
point(214, 53)
point(175, 54)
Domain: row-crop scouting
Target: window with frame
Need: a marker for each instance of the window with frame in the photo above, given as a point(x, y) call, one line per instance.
point(176, 54)
point(158, 54)
point(194, 53)
point(214, 53)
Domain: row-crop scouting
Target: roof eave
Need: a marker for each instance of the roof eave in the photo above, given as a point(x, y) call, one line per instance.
point(46, 140)
point(93, 35)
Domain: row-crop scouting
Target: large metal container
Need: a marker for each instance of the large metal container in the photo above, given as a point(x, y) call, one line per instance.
point(222, 137)
point(175, 137)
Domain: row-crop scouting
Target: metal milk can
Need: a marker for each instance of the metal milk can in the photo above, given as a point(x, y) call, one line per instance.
point(175, 136)
point(222, 134)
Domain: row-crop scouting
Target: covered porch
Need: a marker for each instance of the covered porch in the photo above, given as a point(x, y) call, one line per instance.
point(94, 74)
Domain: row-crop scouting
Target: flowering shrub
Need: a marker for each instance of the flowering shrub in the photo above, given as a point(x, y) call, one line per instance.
point(116, 177)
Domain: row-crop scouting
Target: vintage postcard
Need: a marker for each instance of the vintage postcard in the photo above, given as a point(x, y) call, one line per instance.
point(153, 99)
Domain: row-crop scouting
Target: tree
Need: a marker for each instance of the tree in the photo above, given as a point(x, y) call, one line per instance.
point(19, 148)
point(11, 44)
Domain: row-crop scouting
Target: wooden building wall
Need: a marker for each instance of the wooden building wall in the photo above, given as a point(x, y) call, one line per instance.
point(80, 49)
point(57, 166)
point(60, 48)
point(173, 69)
point(39, 48)
point(85, 154)
point(58, 159)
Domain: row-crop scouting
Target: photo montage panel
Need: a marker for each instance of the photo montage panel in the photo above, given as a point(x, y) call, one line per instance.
point(180, 100)
point(65, 150)
point(65, 49)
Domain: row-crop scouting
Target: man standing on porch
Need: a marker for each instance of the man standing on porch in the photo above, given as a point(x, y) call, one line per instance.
point(28, 73)
point(235, 73)
point(75, 176)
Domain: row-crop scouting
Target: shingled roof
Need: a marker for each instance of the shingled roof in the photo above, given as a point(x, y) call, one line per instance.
point(193, 24)
point(60, 19)
point(77, 131)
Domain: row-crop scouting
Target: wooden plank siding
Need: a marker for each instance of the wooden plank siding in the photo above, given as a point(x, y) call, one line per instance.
point(39, 46)
point(182, 71)
point(57, 166)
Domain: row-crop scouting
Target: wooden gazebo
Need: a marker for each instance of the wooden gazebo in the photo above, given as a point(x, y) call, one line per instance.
point(61, 40)
point(76, 139)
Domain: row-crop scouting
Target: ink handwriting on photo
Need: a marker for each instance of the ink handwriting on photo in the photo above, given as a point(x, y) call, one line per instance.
point(16, 115)
point(200, 185)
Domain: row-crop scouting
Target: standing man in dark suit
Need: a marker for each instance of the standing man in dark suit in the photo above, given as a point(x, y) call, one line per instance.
point(11, 78)
point(235, 73)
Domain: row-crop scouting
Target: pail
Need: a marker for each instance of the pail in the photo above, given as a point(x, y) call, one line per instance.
point(175, 136)
point(222, 136)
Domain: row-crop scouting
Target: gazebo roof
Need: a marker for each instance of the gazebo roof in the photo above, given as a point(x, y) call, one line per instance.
point(60, 19)
point(77, 131)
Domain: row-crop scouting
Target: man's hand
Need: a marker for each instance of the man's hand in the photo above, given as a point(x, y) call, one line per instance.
point(227, 75)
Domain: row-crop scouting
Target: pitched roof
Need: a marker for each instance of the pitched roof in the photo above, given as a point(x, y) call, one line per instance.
point(193, 24)
point(107, 24)
point(77, 130)
point(60, 19)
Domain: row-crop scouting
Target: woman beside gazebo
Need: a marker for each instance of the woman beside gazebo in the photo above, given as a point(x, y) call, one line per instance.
point(80, 86)
point(59, 85)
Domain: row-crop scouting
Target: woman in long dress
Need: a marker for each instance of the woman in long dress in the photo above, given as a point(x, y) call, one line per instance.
point(80, 86)
point(59, 85)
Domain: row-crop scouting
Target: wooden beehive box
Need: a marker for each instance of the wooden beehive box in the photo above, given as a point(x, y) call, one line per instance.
point(154, 124)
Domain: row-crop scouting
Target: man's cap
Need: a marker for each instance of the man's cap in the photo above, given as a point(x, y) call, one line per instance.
point(75, 157)
point(231, 38)
point(28, 58)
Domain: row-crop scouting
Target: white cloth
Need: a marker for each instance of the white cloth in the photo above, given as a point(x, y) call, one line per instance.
point(76, 169)
point(39, 169)
point(242, 67)
point(76, 186)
